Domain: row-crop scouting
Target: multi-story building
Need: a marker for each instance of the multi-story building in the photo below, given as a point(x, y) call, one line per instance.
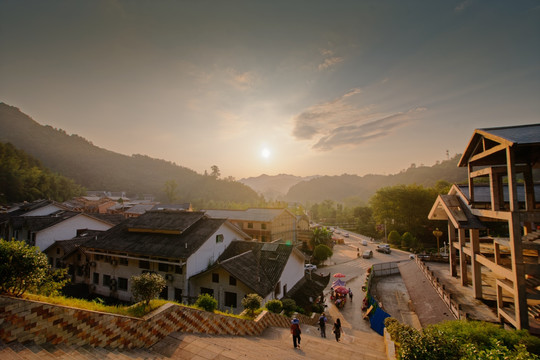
point(493, 222)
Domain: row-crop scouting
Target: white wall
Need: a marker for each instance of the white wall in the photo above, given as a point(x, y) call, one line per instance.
point(293, 272)
point(67, 229)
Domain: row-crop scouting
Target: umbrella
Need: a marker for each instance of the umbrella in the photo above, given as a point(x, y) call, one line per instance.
point(341, 290)
point(339, 275)
point(338, 282)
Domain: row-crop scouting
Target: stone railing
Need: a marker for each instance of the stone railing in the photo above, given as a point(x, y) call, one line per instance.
point(446, 296)
point(24, 320)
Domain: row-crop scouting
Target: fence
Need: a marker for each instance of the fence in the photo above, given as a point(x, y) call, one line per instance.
point(446, 296)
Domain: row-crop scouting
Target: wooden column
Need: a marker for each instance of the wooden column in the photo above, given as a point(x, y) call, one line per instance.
point(471, 184)
point(516, 248)
point(451, 249)
point(462, 257)
point(476, 266)
point(496, 190)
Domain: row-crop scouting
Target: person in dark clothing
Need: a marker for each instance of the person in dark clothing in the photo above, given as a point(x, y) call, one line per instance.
point(350, 294)
point(337, 329)
point(295, 331)
point(322, 325)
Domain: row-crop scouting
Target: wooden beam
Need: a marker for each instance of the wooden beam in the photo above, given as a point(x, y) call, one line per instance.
point(487, 153)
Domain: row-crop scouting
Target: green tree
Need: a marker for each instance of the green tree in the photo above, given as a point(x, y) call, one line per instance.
point(320, 235)
point(274, 306)
point(215, 171)
point(24, 268)
point(147, 286)
point(289, 306)
point(407, 241)
point(321, 253)
point(206, 302)
point(394, 238)
point(251, 303)
point(171, 190)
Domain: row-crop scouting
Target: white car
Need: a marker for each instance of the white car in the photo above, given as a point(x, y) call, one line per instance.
point(310, 267)
point(346, 235)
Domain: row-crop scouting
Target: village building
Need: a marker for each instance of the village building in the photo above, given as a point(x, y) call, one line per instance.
point(174, 244)
point(493, 221)
point(247, 267)
point(265, 225)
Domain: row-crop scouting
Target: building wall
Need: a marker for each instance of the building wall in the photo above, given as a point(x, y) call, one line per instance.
point(220, 288)
point(292, 273)
point(284, 227)
point(67, 230)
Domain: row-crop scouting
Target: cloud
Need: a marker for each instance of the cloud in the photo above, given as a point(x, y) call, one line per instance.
point(329, 62)
point(340, 122)
point(461, 6)
point(241, 80)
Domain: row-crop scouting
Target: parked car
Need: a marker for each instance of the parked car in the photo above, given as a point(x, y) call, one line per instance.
point(367, 254)
point(364, 242)
point(385, 248)
point(310, 267)
point(346, 235)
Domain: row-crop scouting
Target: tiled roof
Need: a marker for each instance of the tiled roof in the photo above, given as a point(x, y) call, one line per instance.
point(68, 246)
point(308, 287)
point(522, 134)
point(194, 230)
point(258, 265)
point(139, 209)
point(113, 219)
point(37, 223)
point(184, 206)
point(253, 214)
point(461, 213)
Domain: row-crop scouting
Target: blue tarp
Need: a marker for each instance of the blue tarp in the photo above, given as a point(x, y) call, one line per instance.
point(377, 320)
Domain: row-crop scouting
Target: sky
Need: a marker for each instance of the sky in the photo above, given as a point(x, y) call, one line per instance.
point(274, 87)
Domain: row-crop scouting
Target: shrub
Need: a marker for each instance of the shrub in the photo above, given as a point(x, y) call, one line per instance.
point(274, 306)
point(321, 253)
point(289, 306)
point(317, 308)
point(206, 302)
point(147, 286)
point(251, 303)
point(25, 268)
point(394, 238)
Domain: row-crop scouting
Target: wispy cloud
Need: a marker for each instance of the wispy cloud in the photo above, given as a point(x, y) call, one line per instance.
point(340, 122)
point(241, 80)
point(462, 6)
point(330, 60)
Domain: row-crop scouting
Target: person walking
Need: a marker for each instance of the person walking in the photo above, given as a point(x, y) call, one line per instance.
point(337, 329)
point(350, 294)
point(322, 325)
point(295, 331)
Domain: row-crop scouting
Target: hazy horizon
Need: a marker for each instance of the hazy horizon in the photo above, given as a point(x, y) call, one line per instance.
point(304, 88)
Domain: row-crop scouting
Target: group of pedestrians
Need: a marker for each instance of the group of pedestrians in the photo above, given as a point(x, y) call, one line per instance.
point(296, 331)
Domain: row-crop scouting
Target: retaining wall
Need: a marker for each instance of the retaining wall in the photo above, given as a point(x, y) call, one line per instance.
point(24, 320)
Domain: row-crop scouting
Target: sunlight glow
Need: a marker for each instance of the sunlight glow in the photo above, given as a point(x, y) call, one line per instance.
point(265, 153)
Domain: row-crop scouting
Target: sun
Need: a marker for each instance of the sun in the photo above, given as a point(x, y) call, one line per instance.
point(265, 153)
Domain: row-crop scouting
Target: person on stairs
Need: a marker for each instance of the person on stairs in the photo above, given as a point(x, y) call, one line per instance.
point(322, 325)
point(295, 331)
point(337, 329)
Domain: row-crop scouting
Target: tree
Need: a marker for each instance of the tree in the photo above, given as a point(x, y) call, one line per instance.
point(274, 306)
point(394, 238)
point(147, 286)
point(320, 235)
point(215, 171)
point(321, 253)
point(171, 190)
point(251, 303)
point(24, 267)
point(206, 302)
point(407, 241)
point(289, 306)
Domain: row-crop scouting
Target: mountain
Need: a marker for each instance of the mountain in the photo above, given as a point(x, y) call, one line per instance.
point(99, 169)
point(339, 188)
point(274, 187)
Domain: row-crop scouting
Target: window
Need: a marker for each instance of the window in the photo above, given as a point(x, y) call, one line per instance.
point(207, 291)
point(98, 257)
point(250, 225)
point(58, 263)
point(219, 238)
point(230, 299)
point(215, 278)
point(106, 280)
point(232, 281)
point(263, 226)
point(57, 251)
point(123, 261)
point(285, 290)
point(80, 270)
point(79, 257)
point(178, 294)
point(96, 278)
point(178, 269)
point(122, 283)
point(51, 261)
point(164, 293)
point(143, 264)
point(163, 267)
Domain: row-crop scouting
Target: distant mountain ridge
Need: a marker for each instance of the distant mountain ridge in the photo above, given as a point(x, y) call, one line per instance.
point(340, 188)
point(100, 169)
point(274, 187)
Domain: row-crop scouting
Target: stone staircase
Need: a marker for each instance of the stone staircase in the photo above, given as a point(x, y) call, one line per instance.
point(274, 343)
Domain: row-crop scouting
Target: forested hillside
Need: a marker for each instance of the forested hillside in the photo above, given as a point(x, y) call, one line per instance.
point(22, 177)
point(339, 188)
point(100, 169)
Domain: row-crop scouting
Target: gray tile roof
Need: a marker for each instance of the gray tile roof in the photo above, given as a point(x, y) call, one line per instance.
point(189, 231)
point(523, 134)
point(253, 214)
point(38, 223)
point(257, 265)
point(461, 212)
point(139, 209)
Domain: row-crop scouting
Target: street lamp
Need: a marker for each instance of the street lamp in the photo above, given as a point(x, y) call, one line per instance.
point(437, 233)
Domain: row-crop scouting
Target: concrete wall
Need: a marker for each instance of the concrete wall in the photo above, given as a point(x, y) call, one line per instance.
point(24, 320)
